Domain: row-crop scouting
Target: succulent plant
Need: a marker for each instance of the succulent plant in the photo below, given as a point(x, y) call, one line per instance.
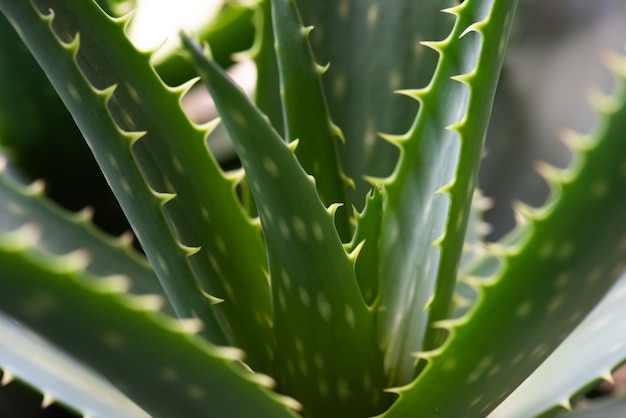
point(340, 271)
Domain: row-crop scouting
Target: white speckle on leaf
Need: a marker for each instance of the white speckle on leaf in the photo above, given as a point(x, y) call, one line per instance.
point(523, 309)
point(128, 121)
point(215, 264)
point(270, 166)
point(450, 363)
point(300, 228)
point(299, 346)
point(324, 307)
point(566, 250)
point(281, 299)
point(339, 85)
point(268, 214)
point(476, 401)
point(133, 94)
point(599, 188)
point(162, 264)
point(318, 233)
point(546, 249)
point(350, 318)
point(178, 166)
point(343, 388)
point(493, 371)
point(593, 277)
point(304, 296)
point(286, 279)
point(284, 229)
point(74, 92)
point(479, 369)
point(323, 387)
point(195, 392)
point(556, 303)
point(575, 317)
point(471, 184)
point(459, 220)
point(517, 358)
point(343, 9)
point(319, 361)
point(113, 340)
point(228, 288)
point(540, 351)
point(394, 231)
point(395, 80)
point(113, 162)
point(238, 118)
point(562, 280)
point(126, 187)
point(169, 373)
point(220, 244)
point(205, 214)
point(372, 16)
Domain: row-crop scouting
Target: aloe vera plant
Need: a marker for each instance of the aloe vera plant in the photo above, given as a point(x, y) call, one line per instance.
point(323, 278)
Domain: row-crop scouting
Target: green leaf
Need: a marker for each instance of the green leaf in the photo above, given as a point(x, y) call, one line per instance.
point(153, 359)
point(267, 97)
point(551, 278)
point(435, 178)
point(30, 111)
point(64, 233)
point(589, 354)
point(367, 236)
point(327, 356)
point(148, 136)
point(60, 378)
point(373, 49)
point(56, 50)
point(305, 111)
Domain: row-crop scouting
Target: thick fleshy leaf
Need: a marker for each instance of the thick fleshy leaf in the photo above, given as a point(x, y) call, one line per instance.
point(572, 252)
point(327, 355)
point(305, 111)
point(435, 179)
point(367, 235)
point(148, 136)
point(153, 359)
point(589, 354)
point(373, 49)
point(64, 233)
point(26, 356)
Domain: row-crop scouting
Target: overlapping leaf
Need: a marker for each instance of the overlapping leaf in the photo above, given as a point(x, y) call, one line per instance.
point(552, 277)
point(429, 195)
point(183, 180)
point(60, 378)
point(327, 356)
point(178, 373)
point(588, 355)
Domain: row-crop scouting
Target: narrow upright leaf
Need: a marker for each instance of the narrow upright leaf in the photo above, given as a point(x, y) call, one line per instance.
point(327, 356)
point(305, 112)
